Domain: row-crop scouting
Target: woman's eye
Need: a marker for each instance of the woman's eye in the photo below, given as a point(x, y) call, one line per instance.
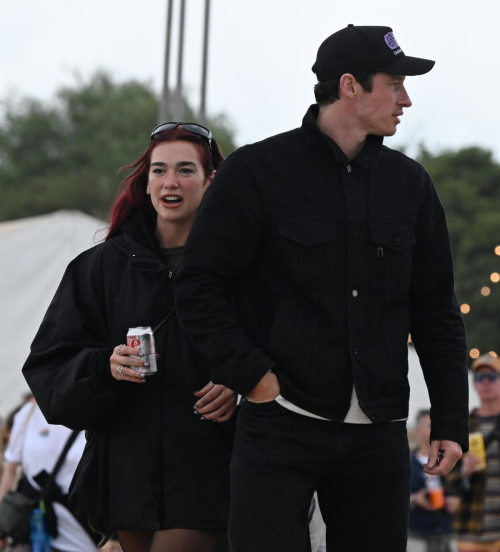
point(157, 171)
point(186, 171)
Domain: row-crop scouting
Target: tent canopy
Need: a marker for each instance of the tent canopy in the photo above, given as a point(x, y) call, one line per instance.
point(35, 252)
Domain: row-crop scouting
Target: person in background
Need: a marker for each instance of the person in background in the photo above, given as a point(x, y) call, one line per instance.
point(156, 465)
point(477, 477)
point(431, 507)
point(35, 446)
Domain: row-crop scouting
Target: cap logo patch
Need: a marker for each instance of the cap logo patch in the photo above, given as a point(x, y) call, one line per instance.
point(391, 41)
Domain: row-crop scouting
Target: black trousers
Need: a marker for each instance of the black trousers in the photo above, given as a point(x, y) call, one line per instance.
point(361, 473)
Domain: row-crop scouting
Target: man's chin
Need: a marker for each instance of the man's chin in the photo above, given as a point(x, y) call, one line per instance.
point(385, 133)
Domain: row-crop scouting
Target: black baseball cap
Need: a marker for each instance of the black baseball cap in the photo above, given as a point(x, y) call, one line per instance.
point(357, 49)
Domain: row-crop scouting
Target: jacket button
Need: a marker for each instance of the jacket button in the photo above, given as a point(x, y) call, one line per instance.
point(349, 168)
point(355, 233)
point(354, 350)
point(355, 293)
point(397, 242)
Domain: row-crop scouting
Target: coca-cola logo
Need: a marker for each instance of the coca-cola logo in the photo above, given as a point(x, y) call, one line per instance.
point(133, 342)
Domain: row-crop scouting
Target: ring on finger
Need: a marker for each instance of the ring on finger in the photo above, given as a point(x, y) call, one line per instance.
point(119, 350)
point(120, 369)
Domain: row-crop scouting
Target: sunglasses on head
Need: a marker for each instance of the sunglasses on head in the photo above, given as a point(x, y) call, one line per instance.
point(195, 128)
point(491, 376)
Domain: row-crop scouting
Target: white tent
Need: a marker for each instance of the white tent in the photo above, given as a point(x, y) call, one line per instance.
point(34, 254)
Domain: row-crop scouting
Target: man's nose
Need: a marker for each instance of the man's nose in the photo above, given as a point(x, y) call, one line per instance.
point(404, 99)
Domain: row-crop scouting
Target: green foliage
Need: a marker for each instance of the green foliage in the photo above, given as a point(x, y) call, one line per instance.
point(468, 183)
point(66, 155)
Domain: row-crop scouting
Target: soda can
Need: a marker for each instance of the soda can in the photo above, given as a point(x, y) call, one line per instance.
point(143, 340)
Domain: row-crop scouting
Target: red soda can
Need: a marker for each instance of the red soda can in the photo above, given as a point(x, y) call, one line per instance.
point(143, 340)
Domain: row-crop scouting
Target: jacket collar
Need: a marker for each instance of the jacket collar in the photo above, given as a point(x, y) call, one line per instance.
point(368, 157)
point(144, 248)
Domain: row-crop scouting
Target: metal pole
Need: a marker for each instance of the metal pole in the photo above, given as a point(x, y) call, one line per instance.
point(179, 104)
point(202, 115)
point(165, 98)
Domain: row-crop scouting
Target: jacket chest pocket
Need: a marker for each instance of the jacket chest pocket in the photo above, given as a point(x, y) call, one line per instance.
point(307, 248)
point(392, 254)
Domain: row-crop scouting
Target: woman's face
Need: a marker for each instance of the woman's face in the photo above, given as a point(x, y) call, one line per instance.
point(176, 182)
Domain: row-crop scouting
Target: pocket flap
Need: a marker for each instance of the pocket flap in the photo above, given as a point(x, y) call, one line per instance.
point(308, 231)
point(395, 236)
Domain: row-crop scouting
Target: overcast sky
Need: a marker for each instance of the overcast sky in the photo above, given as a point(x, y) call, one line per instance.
point(261, 53)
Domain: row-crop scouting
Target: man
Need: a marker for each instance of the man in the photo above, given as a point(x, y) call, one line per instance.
point(431, 508)
point(313, 255)
point(478, 517)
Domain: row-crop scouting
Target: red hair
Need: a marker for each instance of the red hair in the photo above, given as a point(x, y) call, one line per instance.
point(132, 196)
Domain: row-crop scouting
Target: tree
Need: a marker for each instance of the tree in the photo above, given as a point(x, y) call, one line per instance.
point(468, 183)
point(66, 154)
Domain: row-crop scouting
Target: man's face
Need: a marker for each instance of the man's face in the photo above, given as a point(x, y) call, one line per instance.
point(423, 430)
point(378, 111)
point(486, 389)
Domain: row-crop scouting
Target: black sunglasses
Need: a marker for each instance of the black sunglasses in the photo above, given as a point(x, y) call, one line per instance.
point(195, 128)
point(492, 376)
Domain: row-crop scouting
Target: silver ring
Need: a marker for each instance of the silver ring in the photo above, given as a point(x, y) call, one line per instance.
point(120, 370)
point(119, 350)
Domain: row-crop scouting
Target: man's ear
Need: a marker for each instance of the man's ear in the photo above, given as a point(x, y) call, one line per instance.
point(348, 85)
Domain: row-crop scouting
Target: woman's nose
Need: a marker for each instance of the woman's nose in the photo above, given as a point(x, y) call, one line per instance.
point(170, 181)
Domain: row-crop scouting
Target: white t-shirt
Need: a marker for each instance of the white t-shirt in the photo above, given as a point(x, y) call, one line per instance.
point(354, 416)
point(36, 445)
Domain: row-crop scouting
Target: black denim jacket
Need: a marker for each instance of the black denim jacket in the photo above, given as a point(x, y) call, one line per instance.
point(318, 268)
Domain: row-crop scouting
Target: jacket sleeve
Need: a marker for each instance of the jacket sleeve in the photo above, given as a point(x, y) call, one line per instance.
point(437, 327)
point(221, 247)
point(68, 367)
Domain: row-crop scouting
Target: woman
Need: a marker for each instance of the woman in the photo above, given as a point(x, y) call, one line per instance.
point(156, 467)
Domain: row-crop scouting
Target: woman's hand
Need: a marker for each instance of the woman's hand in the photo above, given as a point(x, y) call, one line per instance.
point(217, 403)
point(120, 363)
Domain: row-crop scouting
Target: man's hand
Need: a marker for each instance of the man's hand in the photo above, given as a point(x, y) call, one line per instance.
point(471, 463)
point(451, 504)
point(266, 390)
point(420, 499)
point(442, 457)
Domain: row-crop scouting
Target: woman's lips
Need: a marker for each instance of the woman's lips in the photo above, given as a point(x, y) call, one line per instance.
point(171, 201)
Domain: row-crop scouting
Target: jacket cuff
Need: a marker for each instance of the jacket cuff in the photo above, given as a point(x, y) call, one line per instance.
point(249, 372)
point(451, 429)
point(101, 363)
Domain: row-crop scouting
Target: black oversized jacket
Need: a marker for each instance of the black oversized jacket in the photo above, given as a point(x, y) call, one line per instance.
point(318, 268)
point(148, 456)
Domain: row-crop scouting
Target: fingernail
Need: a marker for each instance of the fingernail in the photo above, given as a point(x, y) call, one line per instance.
point(202, 418)
point(195, 407)
point(214, 421)
point(196, 412)
point(141, 354)
point(142, 375)
point(146, 364)
point(195, 393)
